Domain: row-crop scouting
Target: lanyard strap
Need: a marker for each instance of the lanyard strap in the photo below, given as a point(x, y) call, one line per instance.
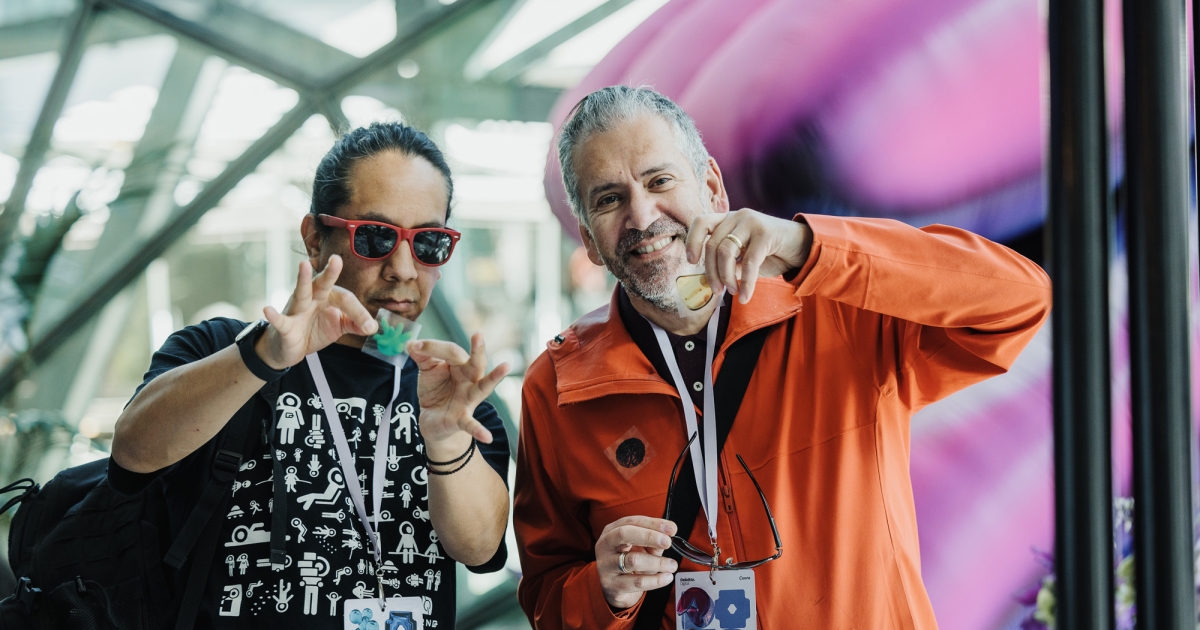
point(346, 459)
point(704, 461)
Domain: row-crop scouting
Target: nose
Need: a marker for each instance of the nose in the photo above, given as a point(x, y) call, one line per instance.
point(643, 209)
point(400, 266)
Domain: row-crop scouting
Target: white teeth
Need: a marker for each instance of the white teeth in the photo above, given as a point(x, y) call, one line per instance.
point(653, 247)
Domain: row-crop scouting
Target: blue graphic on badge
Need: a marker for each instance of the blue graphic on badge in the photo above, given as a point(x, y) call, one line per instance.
point(362, 619)
point(400, 620)
point(733, 609)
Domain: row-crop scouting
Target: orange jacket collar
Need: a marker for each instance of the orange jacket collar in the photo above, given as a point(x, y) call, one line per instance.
point(597, 357)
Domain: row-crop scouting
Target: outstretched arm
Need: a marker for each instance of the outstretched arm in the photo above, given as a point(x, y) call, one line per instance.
point(182, 409)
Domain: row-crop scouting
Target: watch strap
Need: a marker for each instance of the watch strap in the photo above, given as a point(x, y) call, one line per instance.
point(246, 342)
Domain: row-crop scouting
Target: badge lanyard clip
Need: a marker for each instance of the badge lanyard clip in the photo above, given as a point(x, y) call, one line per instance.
point(704, 461)
point(346, 459)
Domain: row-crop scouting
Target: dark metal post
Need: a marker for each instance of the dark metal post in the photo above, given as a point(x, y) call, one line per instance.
point(1078, 228)
point(1156, 168)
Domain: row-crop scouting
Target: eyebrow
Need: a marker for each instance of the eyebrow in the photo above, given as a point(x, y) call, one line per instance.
point(605, 187)
point(380, 218)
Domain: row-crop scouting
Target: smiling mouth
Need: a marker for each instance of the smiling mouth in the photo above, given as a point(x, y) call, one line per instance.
point(653, 247)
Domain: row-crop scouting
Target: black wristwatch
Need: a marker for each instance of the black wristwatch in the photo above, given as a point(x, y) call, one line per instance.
point(245, 342)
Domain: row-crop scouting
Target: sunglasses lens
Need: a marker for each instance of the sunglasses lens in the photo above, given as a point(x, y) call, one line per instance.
point(432, 247)
point(374, 241)
point(687, 552)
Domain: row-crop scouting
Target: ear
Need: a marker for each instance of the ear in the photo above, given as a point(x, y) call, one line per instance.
point(589, 244)
point(312, 240)
point(715, 185)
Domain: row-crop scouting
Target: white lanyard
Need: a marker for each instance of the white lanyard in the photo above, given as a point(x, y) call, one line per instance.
point(704, 463)
point(346, 459)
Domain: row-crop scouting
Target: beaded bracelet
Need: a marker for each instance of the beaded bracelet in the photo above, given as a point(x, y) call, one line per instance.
point(467, 455)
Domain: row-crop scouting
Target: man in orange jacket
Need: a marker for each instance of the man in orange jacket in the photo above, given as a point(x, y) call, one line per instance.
point(871, 321)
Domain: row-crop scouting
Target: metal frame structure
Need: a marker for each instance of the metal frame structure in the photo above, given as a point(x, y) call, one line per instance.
point(1158, 182)
point(1078, 226)
point(318, 94)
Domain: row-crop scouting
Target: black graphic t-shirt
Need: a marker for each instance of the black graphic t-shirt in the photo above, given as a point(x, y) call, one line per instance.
point(329, 557)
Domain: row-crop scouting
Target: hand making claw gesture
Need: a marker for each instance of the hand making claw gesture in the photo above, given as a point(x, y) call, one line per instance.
point(318, 314)
point(451, 384)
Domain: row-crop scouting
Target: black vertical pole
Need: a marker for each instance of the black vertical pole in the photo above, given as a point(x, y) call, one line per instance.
point(1078, 225)
point(1156, 167)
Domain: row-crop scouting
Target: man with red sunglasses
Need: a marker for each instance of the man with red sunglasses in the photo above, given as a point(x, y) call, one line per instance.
point(369, 480)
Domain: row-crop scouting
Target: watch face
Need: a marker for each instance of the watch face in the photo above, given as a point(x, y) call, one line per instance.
point(247, 330)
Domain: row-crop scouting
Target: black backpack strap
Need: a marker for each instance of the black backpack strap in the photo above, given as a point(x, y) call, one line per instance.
point(729, 390)
point(225, 466)
point(209, 528)
point(26, 486)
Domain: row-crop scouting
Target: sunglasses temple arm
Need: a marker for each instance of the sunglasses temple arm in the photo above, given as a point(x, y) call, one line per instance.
point(761, 495)
point(674, 472)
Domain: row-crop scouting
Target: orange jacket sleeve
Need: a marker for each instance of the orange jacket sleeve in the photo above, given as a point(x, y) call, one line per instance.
point(926, 311)
point(560, 588)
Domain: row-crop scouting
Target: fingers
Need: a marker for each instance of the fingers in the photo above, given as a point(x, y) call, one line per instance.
point(324, 282)
point(488, 383)
point(648, 522)
point(721, 252)
point(302, 294)
point(478, 362)
point(699, 233)
point(639, 562)
point(635, 535)
point(636, 582)
point(756, 252)
point(355, 317)
point(426, 349)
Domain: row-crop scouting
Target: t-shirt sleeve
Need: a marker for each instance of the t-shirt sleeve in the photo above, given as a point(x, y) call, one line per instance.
point(496, 455)
point(185, 346)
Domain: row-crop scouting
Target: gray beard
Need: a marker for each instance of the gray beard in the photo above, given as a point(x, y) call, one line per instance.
point(654, 284)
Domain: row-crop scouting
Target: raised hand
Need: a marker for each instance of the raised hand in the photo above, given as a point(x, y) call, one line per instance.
point(451, 384)
point(318, 314)
point(743, 245)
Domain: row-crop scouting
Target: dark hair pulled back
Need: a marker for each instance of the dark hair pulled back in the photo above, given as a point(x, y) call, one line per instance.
point(331, 185)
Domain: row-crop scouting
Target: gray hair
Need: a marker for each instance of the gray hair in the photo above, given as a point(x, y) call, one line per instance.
point(601, 110)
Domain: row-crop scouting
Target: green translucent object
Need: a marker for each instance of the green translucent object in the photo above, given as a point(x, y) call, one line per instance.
point(391, 339)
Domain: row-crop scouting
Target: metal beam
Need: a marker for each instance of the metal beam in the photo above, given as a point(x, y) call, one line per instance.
point(421, 31)
point(1159, 196)
point(220, 44)
point(522, 61)
point(1078, 231)
point(44, 35)
point(416, 32)
point(43, 129)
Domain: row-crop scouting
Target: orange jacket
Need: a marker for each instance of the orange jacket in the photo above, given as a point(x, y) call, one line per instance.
point(882, 320)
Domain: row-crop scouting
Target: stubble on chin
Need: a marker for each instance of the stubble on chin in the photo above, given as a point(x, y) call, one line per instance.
point(651, 281)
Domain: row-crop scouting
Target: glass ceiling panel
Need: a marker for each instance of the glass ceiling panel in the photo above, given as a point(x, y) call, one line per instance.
point(569, 62)
point(358, 27)
point(533, 22)
point(18, 11)
point(23, 85)
point(246, 105)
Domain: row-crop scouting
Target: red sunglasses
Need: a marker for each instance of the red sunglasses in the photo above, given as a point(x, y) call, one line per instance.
point(372, 240)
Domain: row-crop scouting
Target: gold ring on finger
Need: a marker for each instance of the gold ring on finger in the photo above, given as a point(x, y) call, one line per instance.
point(621, 562)
point(736, 241)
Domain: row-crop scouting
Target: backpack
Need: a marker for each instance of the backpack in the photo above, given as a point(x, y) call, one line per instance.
point(89, 557)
